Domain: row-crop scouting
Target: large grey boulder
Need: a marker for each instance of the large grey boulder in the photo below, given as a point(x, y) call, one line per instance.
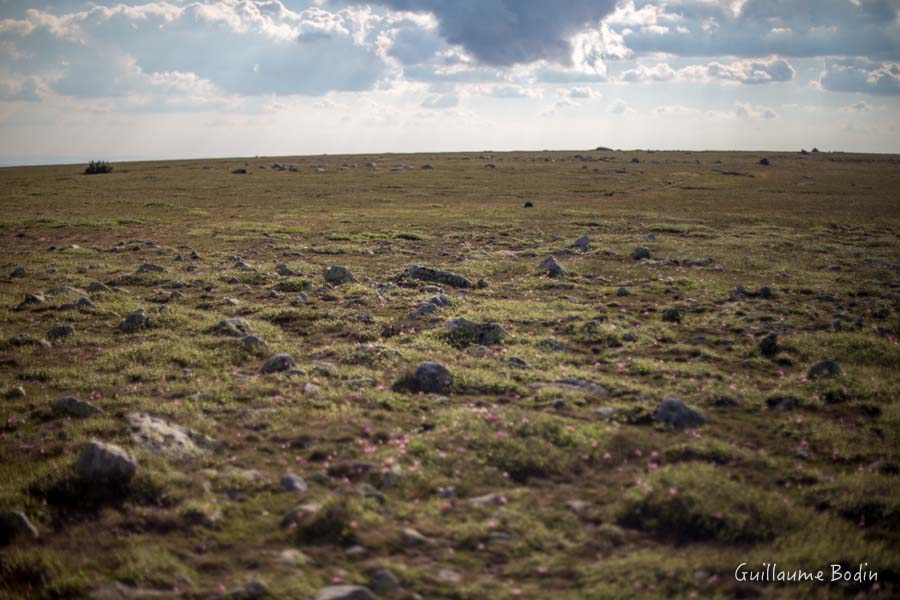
point(101, 464)
point(432, 377)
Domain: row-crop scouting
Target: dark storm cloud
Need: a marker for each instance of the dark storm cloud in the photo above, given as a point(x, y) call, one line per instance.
point(509, 32)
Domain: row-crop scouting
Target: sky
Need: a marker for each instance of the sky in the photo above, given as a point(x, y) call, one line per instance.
point(210, 78)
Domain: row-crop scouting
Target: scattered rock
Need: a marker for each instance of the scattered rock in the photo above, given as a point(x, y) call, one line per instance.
point(285, 271)
point(21, 340)
point(768, 346)
point(134, 322)
point(621, 292)
point(18, 272)
point(78, 304)
point(672, 315)
point(151, 268)
point(383, 582)
point(764, 162)
point(96, 287)
point(232, 327)
point(338, 275)
point(423, 310)
point(463, 332)
point(605, 412)
point(676, 413)
point(437, 276)
point(411, 537)
point(783, 403)
point(551, 343)
point(575, 384)
point(345, 592)
point(824, 368)
point(30, 300)
point(551, 267)
point(294, 483)
point(276, 363)
point(640, 253)
point(15, 525)
point(105, 464)
point(253, 343)
point(172, 442)
point(487, 500)
point(17, 391)
point(253, 590)
point(518, 363)
point(73, 407)
point(60, 331)
point(583, 243)
point(432, 377)
point(528, 205)
point(117, 590)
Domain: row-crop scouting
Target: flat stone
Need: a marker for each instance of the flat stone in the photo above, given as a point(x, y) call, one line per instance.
point(437, 276)
point(345, 592)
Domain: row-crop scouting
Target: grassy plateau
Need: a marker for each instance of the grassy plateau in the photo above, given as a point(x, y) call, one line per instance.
point(541, 468)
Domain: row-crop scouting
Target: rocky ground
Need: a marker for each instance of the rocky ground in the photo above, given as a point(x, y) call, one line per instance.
point(517, 375)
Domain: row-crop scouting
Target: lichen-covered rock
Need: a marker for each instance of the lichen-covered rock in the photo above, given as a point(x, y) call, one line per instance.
point(172, 442)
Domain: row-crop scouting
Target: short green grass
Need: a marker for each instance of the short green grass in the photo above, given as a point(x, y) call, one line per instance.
point(590, 498)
